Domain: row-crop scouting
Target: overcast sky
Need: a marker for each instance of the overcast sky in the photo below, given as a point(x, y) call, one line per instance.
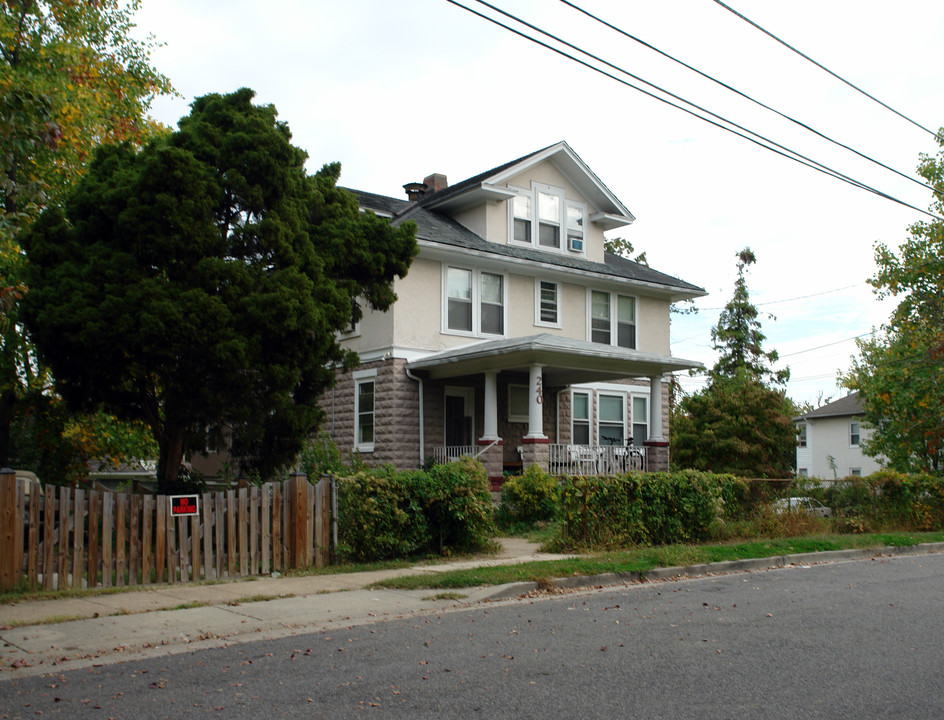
point(398, 90)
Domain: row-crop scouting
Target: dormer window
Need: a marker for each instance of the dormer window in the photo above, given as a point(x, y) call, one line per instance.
point(522, 222)
point(543, 217)
point(549, 207)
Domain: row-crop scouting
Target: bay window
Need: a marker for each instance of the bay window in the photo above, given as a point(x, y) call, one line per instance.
point(580, 419)
point(610, 426)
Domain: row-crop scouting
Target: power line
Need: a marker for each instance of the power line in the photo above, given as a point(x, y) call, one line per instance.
point(799, 297)
point(749, 98)
point(772, 147)
point(823, 67)
point(820, 347)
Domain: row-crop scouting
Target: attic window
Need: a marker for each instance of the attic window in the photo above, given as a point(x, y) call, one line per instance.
point(544, 217)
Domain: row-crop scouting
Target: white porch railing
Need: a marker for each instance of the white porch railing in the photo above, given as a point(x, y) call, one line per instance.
point(596, 459)
point(454, 452)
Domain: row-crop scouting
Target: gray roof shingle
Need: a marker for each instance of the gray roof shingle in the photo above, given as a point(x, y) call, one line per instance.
point(440, 228)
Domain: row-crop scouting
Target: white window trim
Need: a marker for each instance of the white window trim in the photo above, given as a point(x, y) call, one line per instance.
point(476, 303)
point(361, 377)
point(599, 396)
point(803, 435)
point(632, 419)
point(589, 419)
point(614, 319)
point(533, 194)
point(859, 443)
point(517, 418)
point(354, 332)
point(537, 304)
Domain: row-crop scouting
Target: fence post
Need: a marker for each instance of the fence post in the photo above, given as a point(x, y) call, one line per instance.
point(300, 553)
point(8, 521)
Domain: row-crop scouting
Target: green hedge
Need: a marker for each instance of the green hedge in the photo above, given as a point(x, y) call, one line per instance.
point(647, 508)
point(532, 497)
point(884, 499)
point(385, 514)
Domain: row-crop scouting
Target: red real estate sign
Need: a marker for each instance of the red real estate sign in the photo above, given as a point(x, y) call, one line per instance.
point(184, 505)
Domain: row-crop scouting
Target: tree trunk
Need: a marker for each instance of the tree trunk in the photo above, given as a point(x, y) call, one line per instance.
point(7, 400)
point(168, 465)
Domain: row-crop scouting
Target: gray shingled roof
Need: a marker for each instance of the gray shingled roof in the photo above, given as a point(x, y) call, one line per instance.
point(849, 405)
point(439, 228)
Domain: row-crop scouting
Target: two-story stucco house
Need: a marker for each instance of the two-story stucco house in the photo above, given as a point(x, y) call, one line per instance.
point(829, 441)
point(515, 337)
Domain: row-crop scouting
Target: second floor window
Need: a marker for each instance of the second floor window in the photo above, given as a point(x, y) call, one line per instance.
point(854, 433)
point(547, 302)
point(613, 319)
point(475, 302)
point(801, 435)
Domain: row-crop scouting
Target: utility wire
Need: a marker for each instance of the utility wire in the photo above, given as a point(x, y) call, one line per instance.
point(748, 97)
point(823, 67)
point(799, 297)
point(785, 152)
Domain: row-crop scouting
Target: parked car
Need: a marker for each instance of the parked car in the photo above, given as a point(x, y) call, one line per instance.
point(802, 504)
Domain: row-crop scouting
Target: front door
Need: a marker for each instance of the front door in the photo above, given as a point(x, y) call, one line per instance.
point(458, 420)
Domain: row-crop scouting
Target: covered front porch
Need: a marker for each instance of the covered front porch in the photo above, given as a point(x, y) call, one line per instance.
point(572, 407)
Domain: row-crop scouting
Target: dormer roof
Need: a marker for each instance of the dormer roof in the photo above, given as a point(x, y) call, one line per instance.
point(611, 213)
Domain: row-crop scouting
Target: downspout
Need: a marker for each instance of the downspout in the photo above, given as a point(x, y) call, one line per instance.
point(419, 381)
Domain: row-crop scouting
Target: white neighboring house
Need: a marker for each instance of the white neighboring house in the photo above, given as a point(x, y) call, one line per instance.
point(834, 431)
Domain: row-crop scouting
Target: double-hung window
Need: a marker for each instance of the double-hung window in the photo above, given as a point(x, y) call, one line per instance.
point(611, 426)
point(640, 420)
point(580, 419)
point(801, 435)
point(545, 218)
point(549, 219)
point(600, 317)
point(475, 302)
point(459, 299)
point(547, 303)
point(576, 221)
point(613, 318)
point(854, 435)
point(364, 384)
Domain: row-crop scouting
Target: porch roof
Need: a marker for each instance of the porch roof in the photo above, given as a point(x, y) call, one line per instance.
point(565, 361)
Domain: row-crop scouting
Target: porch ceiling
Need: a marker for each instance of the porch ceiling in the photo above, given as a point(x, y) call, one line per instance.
point(565, 361)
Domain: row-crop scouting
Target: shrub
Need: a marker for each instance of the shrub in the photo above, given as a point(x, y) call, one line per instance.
point(534, 496)
point(379, 519)
point(653, 508)
point(386, 514)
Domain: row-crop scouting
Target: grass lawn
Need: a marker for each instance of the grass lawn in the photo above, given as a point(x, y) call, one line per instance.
point(646, 558)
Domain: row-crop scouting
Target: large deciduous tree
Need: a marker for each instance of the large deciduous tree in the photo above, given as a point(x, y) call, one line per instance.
point(200, 284)
point(900, 369)
point(741, 421)
point(72, 77)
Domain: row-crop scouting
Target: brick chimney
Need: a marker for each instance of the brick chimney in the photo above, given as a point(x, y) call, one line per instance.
point(432, 183)
point(435, 182)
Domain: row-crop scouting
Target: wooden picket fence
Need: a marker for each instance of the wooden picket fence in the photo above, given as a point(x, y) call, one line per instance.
point(59, 537)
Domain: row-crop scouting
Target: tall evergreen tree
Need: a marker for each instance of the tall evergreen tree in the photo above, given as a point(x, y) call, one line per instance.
point(738, 336)
point(200, 285)
point(741, 421)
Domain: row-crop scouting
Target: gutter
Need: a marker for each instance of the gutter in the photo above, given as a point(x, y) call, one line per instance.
point(419, 381)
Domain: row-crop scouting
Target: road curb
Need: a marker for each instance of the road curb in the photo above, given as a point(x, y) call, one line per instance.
point(774, 562)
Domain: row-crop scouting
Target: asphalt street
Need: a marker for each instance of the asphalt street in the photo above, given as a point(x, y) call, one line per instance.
point(859, 639)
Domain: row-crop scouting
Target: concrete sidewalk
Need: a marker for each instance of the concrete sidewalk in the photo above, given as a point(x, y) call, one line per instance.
point(52, 635)
point(142, 624)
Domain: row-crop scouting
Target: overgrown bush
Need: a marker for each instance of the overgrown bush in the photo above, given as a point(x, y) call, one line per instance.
point(885, 499)
point(387, 514)
point(532, 497)
point(651, 508)
point(379, 518)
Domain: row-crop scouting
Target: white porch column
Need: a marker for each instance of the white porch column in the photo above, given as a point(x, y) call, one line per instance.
point(655, 408)
point(536, 405)
point(491, 407)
